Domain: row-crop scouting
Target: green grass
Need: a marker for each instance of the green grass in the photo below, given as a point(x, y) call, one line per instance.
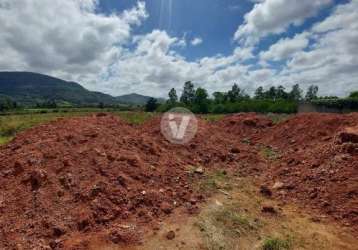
point(135, 118)
point(269, 153)
point(5, 139)
point(222, 226)
point(213, 117)
point(277, 244)
point(278, 118)
point(214, 181)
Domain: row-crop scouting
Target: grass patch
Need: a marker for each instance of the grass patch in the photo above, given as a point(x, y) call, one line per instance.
point(213, 117)
point(5, 139)
point(278, 118)
point(269, 153)
point(277, 244)
point(212, 182)
point(222, 226)
point(135, 118)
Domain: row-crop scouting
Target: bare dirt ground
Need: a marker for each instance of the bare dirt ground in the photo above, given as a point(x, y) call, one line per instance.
point(98, 182)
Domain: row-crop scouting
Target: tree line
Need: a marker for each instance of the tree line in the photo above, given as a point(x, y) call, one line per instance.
point(274, 99)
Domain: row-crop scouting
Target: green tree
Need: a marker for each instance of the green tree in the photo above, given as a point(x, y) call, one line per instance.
point(101, 105)
point(234, 94)
point(311, 93)
point(354, 94)
point(173, 97)
point(220, 97)
point(271, 93)
point(201, 102)
point(188, 95)
point(151, 105)
point(296, 93)
point(281, 92)
point(259, 93)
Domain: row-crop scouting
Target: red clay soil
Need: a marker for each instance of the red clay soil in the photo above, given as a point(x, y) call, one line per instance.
point(74, 179)
point(318, 164)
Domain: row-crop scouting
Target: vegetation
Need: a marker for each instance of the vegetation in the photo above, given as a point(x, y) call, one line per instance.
point(151, 105)
point(276, 244)
point(272, 100)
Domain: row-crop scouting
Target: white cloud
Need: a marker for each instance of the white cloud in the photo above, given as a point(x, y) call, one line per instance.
point(286, 47)
point(72, 40)
point(197, 41)
point(332, 61)
point(66, 38)
point(274, 17)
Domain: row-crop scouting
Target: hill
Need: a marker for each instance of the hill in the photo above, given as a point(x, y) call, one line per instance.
point(28, 89)
point(135, 99)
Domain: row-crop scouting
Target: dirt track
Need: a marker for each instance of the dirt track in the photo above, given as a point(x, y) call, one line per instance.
point(63, 182)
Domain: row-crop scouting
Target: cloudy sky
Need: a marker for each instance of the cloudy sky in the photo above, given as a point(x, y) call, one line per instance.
point(148, 47)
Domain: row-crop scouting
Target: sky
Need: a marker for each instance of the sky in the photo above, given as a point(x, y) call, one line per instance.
point(148, 47)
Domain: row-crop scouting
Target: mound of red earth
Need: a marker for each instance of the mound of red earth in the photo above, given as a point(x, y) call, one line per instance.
point(318, 163)
point(98, 176)
point(68, 181)
point(85, 175)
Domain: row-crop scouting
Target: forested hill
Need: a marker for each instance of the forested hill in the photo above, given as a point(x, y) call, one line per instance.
point(29, 89)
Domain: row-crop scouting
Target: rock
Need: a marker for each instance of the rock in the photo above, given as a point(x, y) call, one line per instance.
point(250, 122)
point(18, 168)
point(265, 191)
point(121, 181)
point(56, 244)
point(58, 232)
point(37, 178)
point(235, 150)
point(268, 209)
point(166, 207)
point(349, 135)
point(278, 185)
point(199, 170)
point(170, 235)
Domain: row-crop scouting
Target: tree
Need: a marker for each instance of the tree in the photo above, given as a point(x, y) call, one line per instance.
point(271, 93)
point(151, 105)
point(234, 94)
point(296, 93)
point(281, 92)
point(353, 94)
point(259, 93)
point(188, 93)
point(311, 93)
point(201, 102)
point(173, 97)
point(101, 105)
point(220, 97)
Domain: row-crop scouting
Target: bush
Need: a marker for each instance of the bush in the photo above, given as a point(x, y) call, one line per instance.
point(347, 103)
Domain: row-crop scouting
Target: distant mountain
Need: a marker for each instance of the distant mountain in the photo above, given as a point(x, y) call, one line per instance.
point(28, 89)
point(135, 99)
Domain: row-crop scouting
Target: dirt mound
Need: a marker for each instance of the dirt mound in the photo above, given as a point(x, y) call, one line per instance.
point(245, 124)
point(317, 163)
point(85, 175)
point(71, 180)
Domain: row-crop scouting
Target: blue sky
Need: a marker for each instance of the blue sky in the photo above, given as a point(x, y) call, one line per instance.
point(148, 47)
point(215, 21)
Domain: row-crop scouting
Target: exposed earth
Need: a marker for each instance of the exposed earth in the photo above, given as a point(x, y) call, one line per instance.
point(81, 183)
